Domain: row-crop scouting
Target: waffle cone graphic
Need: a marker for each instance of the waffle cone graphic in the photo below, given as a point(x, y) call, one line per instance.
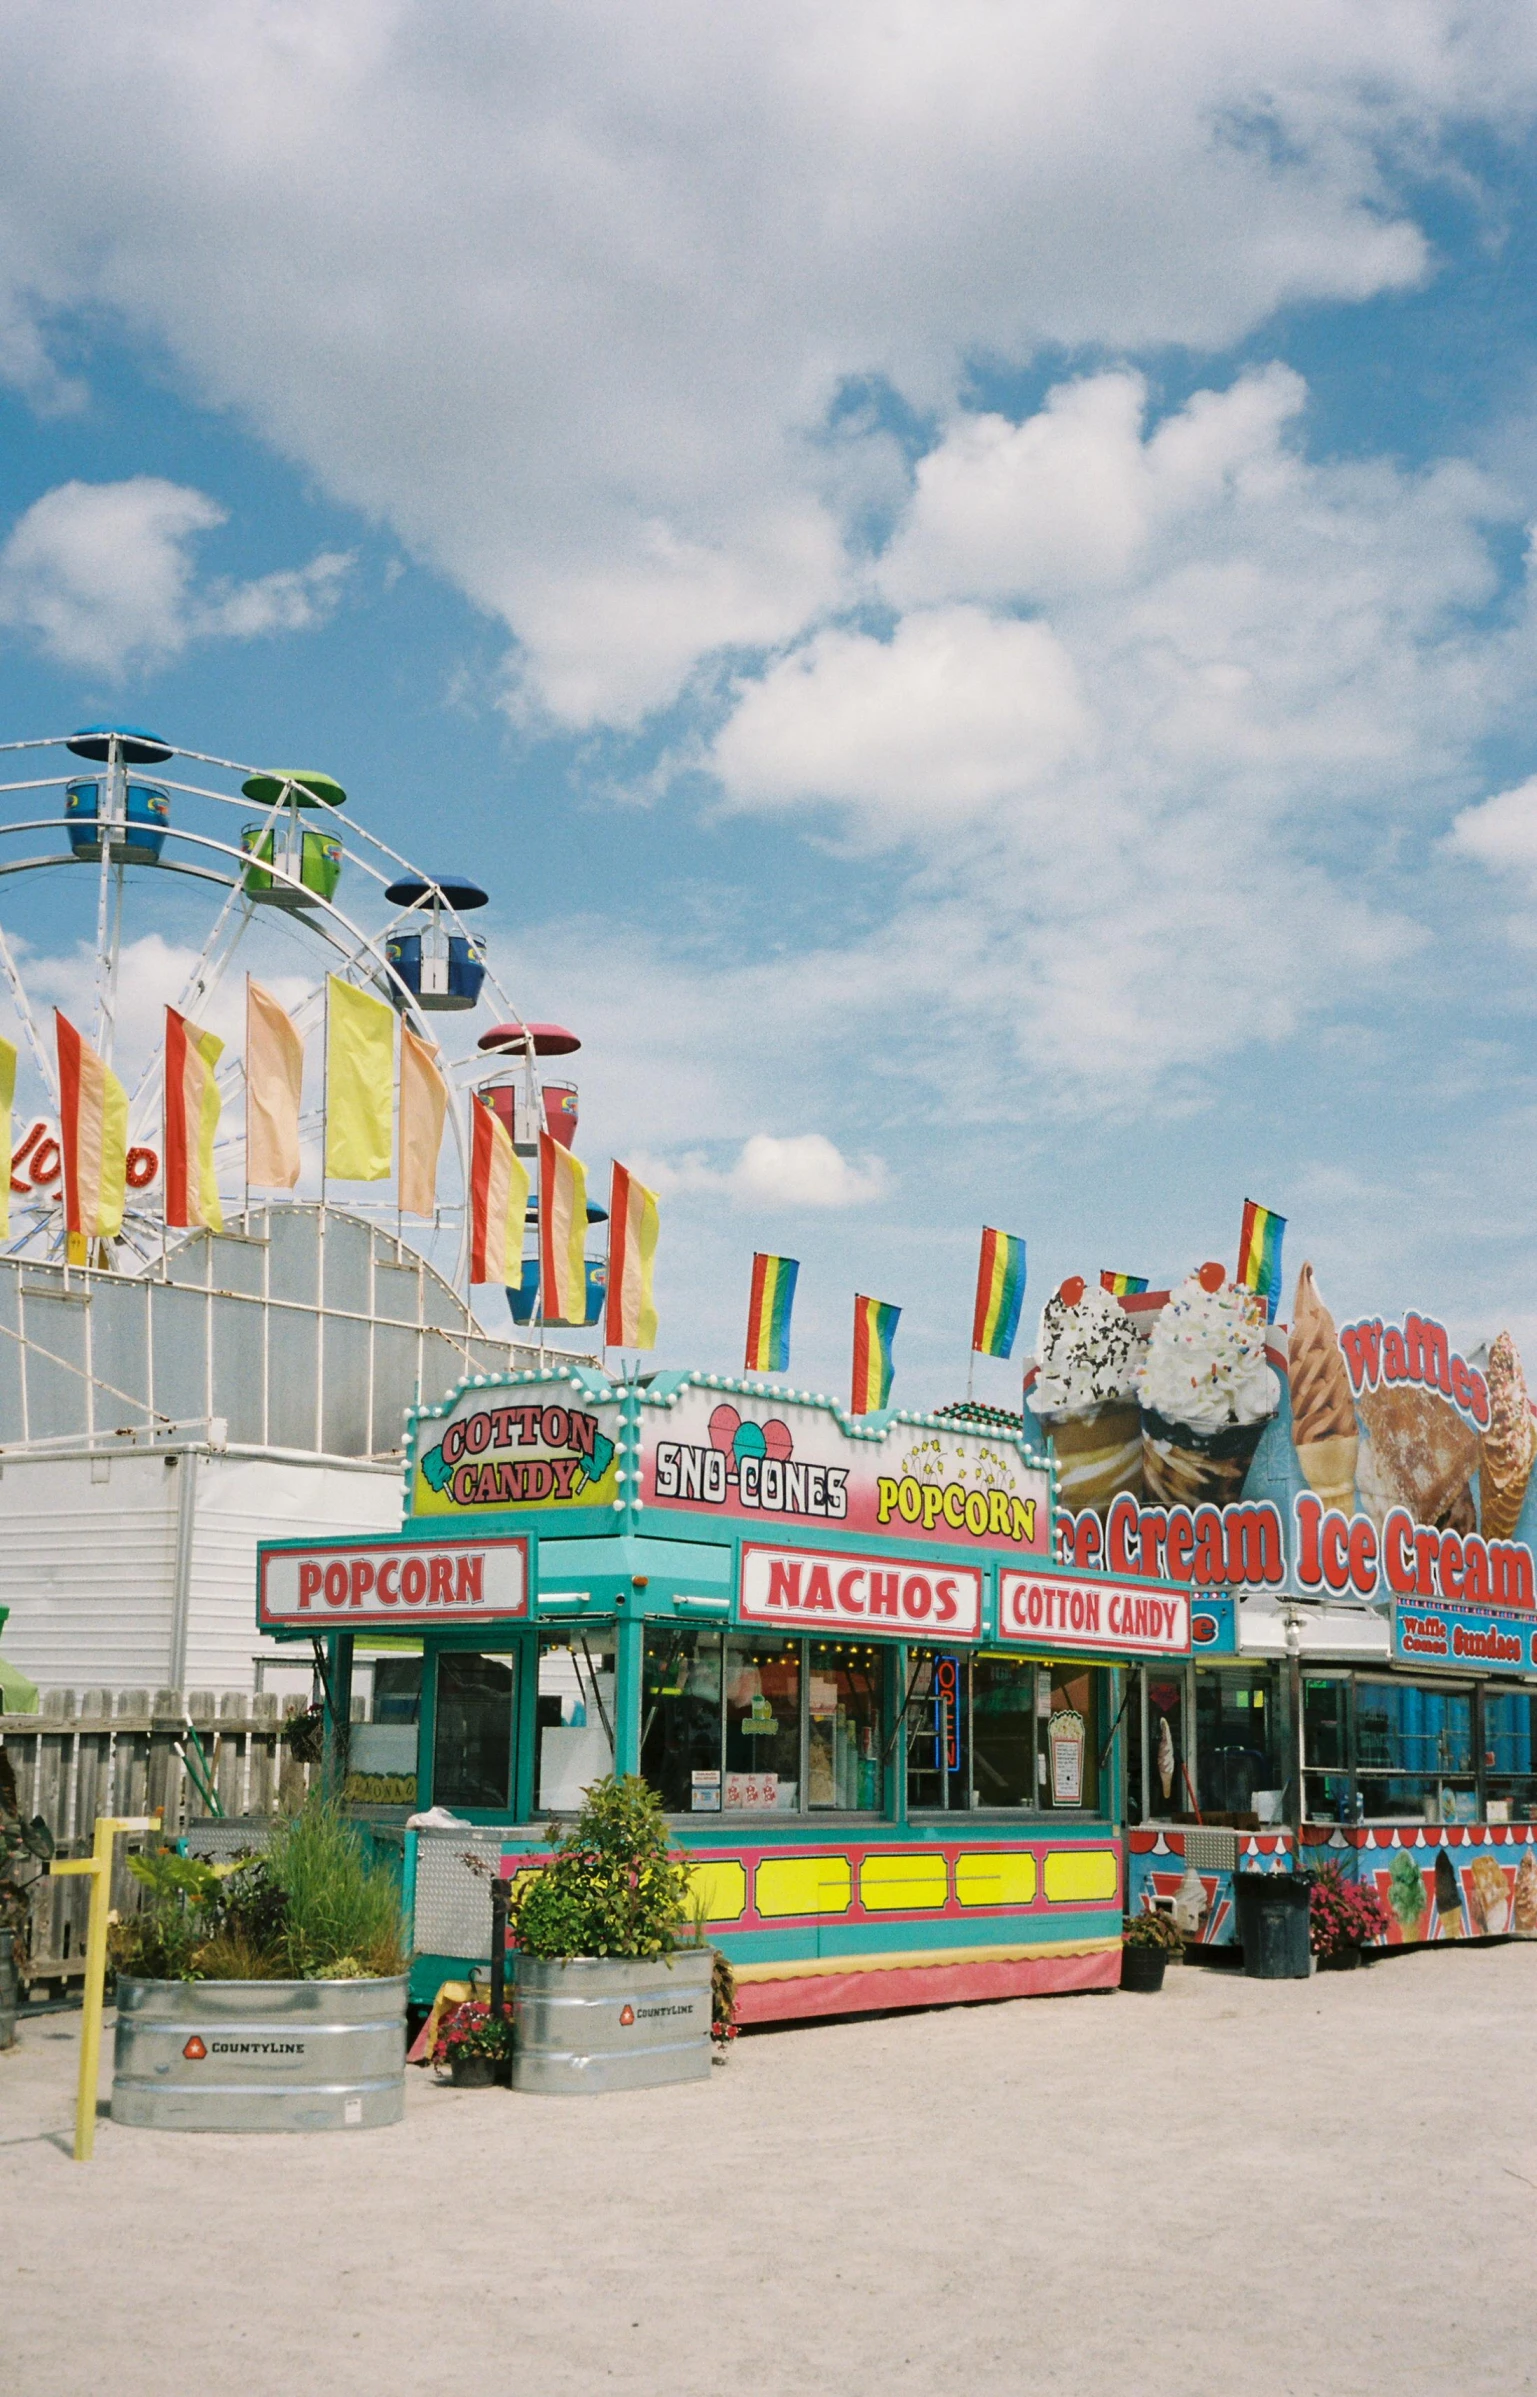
point(1509, 1445)
point(1098, 1452)
point(1323, 1415)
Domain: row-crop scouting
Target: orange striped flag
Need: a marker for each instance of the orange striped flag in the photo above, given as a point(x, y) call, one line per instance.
point(191, 1124)
point(93, 1134)
point(629, 1319)
point(498, 1200)
point(562, 1234)
point(423, 1106)
point(274, 1084)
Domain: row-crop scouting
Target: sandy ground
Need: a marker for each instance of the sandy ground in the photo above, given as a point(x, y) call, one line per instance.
point(1321, 2187)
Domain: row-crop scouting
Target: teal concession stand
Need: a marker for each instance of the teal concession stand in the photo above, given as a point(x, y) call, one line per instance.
point(887, 1726)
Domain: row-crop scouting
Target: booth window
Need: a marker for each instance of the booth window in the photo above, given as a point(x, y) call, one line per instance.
point(472, 1729)
point(575, 1733)
point(1378, 1750)
point(1510, 1754)
point(397, 1689)
point(743, 1723)
point(1238, 1741)
point(988, 1732)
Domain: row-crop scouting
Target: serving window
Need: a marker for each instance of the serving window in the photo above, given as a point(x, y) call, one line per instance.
point(992, 1731)
point(574, 1730)
point(740, 1722)
point(1381, 1750)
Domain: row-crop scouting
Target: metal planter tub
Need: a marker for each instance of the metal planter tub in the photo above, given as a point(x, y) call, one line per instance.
point(259, 2055)
point(610, 2022)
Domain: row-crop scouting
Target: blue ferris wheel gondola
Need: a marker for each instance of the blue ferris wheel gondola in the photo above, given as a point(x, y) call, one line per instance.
point(140, 813)
point(442, 969)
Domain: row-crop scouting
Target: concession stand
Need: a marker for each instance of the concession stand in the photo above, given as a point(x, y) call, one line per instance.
point(888, 1725)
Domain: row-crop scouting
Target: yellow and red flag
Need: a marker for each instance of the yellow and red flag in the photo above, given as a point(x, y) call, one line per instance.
point(498, 1200)
point(562, 1234)
point(191, 1124)
point(93, 1135)
point(423, 1106)
point(274, 1085)
point(629, 1316)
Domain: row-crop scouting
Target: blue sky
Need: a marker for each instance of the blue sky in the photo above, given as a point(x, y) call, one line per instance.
point(962, 579)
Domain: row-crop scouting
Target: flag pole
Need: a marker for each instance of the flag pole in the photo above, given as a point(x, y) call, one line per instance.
point(325, 1091)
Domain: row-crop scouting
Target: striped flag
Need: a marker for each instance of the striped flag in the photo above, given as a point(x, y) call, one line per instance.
point(562, 1234)
point(1000, 1293)
point(498, 1200)
point(1259, 1254)
point(629, 1316)
point(768, 1314)
point(423, 1107)
point(191, 1124)
point(7, 1102)
point(274, 1084)
point(875, 1328)
point(360, 1084)
point(1124, 1285)
point(93, 1134)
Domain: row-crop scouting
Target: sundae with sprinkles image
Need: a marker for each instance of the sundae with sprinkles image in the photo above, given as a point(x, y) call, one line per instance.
point(1206, 1391)
point(1085, 1395)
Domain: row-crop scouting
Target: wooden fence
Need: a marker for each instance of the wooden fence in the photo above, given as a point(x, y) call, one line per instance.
point(114, 1752)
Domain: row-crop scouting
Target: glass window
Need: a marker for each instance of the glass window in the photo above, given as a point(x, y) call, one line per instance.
point(843, 1724)
point(575, 1729)
point(1003, 1731)
point(1071, 1738)
point(938, 1729)
point(472, 1735)
point(1410, 1742)
point(1510, 1753)
point(397, 1689)
point(763, 1724)
point(680, 1720)
point(1238, 1746)
point(1326, 1747)
point(1168, 1784)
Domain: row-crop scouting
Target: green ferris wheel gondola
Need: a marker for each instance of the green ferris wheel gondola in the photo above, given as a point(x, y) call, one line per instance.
point(310, 860)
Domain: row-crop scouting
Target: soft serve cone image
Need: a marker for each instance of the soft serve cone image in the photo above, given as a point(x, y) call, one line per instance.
point(1085, 1397)
point(1323, 1413)
point(1509, 1445)
point(1406, 1891)
point(1206, 1392)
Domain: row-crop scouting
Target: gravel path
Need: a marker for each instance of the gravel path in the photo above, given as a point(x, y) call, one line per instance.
point(1325, 2188)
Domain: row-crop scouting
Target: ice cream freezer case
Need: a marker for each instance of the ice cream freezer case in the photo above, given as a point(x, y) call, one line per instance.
point(887, 1725)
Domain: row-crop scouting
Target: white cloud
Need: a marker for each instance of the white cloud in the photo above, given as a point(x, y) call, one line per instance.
point(565, 296)
point(804, 1169)
point(1501, 833)
point(101, 576)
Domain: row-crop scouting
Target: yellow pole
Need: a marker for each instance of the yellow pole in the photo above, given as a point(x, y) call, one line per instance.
point(99, 1866)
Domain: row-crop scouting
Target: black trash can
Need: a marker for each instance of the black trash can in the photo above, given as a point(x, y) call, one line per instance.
point(1273, 1924)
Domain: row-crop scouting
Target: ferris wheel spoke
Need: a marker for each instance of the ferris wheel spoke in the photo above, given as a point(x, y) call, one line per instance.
point(23, 1007)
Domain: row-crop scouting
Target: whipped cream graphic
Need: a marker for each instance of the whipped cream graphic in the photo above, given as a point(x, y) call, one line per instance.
point(1205, 1363)
point(1087, 1351)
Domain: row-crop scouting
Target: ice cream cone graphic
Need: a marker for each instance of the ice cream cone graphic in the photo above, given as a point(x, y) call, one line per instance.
point(1323, 1415)
point(1509, 1445)
point(1206, 1392)
point(1086, 1354)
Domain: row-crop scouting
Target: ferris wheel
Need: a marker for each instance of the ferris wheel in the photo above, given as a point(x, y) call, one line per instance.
point(110, 854)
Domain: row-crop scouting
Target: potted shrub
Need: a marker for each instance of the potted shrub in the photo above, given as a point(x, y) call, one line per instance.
point(1147, 1942)
point(263, 1994)
point(609, 1993)
point(1343, 1918)
point(474, 2045)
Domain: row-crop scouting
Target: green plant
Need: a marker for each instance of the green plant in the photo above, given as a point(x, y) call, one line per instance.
point(612, 1887)
point(471, 2029)
point(1153, 1931)
point(160, 1942)
point(723, 2022)
point(336, 1906)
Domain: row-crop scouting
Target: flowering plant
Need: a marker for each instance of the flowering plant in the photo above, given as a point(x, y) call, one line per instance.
point(1152, 1930)
point(1343, 1914)
point(471, 2029)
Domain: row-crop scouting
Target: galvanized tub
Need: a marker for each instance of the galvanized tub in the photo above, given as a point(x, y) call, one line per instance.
point(259, 2055)
point(608, 2022)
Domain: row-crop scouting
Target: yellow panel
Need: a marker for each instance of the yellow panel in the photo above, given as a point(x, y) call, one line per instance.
point(889, 1884)
point(1074, 1876)
point(723, 1888)
point(1004, 1880)
point(803, 1885)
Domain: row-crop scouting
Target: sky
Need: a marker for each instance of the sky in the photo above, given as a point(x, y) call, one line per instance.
point(961, 574)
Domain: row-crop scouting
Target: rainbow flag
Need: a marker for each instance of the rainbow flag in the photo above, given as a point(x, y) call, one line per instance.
point(875, 1328)
point(1123, 1285)
point(562, 1234)
point(1259, 1254)
point(768, 1314)
point(498, 1200)
point(629, 1314)
point(191, 1124)
point(1000, 1293)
